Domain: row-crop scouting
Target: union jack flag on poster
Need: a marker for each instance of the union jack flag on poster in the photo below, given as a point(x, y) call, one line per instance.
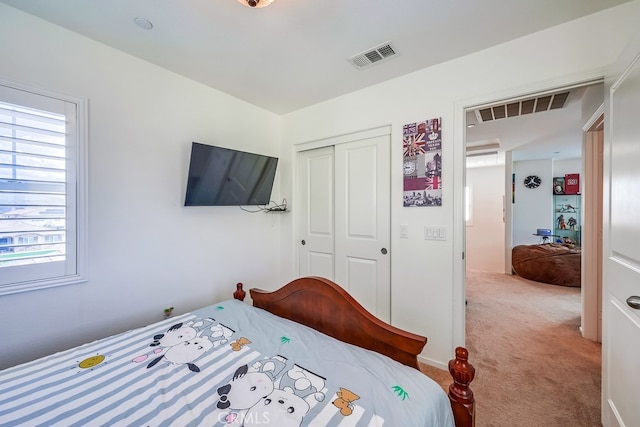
point(422, 158)
point(432, 183)
point(414, 144)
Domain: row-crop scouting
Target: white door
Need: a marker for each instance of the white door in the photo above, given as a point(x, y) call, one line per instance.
point(316, 213)
point(363, 223)
point(344, 219)
point(621, 276)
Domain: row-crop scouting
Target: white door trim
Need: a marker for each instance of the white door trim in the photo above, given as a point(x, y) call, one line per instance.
point(342, 139)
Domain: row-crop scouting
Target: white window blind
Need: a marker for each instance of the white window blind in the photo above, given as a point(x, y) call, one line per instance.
point(39, 204)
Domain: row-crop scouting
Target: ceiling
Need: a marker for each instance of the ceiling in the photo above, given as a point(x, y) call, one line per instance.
point(295, 53)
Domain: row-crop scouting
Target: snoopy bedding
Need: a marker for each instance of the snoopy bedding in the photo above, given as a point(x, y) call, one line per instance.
point(228, 364)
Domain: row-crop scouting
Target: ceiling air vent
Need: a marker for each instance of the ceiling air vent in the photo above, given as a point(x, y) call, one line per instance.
point(522, 107)
point(373, 55)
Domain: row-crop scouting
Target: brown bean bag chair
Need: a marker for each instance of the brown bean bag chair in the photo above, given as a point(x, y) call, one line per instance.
point(552, 263)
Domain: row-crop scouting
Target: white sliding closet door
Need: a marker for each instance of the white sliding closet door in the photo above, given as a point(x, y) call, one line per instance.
point(362, 191)
point(316, 213)
point(344, 219)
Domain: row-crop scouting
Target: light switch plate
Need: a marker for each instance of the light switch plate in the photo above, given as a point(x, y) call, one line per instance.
point(435, 233)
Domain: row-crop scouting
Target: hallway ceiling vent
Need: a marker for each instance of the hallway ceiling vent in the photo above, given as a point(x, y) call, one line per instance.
point(522, 107)
point(373, 55)
point(483, 148)
point(482, 153)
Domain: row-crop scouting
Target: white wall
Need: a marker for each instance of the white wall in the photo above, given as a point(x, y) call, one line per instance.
point(146, 250)
point(485, 234)
point(533, 207)
point(561, 167)
point(427, 288)
point(592, 100)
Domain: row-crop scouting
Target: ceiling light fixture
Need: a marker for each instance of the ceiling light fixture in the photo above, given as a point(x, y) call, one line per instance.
point(256, 3)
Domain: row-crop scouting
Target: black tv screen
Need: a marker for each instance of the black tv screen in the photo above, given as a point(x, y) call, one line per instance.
point(225, 177)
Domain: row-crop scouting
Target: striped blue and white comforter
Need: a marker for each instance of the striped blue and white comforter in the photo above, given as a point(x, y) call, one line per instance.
point(228, 364)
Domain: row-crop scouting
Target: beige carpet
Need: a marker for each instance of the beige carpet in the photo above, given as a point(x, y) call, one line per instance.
point(533, 367)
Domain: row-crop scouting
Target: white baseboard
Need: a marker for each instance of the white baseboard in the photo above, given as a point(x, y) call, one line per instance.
point(434, 363)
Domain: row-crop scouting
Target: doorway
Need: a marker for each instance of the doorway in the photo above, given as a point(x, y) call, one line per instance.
point(493, 181)
point(544, 132)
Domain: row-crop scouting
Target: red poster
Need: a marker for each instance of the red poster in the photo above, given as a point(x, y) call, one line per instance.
point(572, 183)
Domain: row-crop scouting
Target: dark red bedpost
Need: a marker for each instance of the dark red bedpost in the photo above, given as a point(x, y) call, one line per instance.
point(239, 293)
point(460, 395)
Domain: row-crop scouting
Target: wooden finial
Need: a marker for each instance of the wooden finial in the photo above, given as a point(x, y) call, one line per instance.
point(463, 373)
point(460, 394)
point(239, 294)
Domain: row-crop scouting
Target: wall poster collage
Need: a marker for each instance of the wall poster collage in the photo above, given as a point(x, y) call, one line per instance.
point(422, 163)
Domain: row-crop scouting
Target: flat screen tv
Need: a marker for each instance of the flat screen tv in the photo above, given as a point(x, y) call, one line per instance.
point(226, 177)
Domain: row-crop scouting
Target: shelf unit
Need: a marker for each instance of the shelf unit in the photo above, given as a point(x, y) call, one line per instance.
point(567, 217)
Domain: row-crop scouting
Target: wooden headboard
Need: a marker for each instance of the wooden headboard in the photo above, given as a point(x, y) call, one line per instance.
point(323, 305)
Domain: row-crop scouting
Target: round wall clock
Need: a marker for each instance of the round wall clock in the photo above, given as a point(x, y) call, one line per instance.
point(532, 181)
point(409, 167)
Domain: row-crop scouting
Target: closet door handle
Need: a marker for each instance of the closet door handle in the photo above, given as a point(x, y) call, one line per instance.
point(634, 302)
point(303, 242)
point(384, 251)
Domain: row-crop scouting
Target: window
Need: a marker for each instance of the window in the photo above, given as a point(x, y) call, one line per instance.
point(468, 206)
point(54, 238)
point(42, 197)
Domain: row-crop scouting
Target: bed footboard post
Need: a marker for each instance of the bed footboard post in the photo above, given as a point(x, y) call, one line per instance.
point(460, 395)
point(239, 293)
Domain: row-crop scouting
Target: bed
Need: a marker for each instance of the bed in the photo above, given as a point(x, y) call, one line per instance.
point(230, 364)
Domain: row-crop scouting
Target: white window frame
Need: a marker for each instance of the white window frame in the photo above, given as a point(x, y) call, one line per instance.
point(76, 270)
